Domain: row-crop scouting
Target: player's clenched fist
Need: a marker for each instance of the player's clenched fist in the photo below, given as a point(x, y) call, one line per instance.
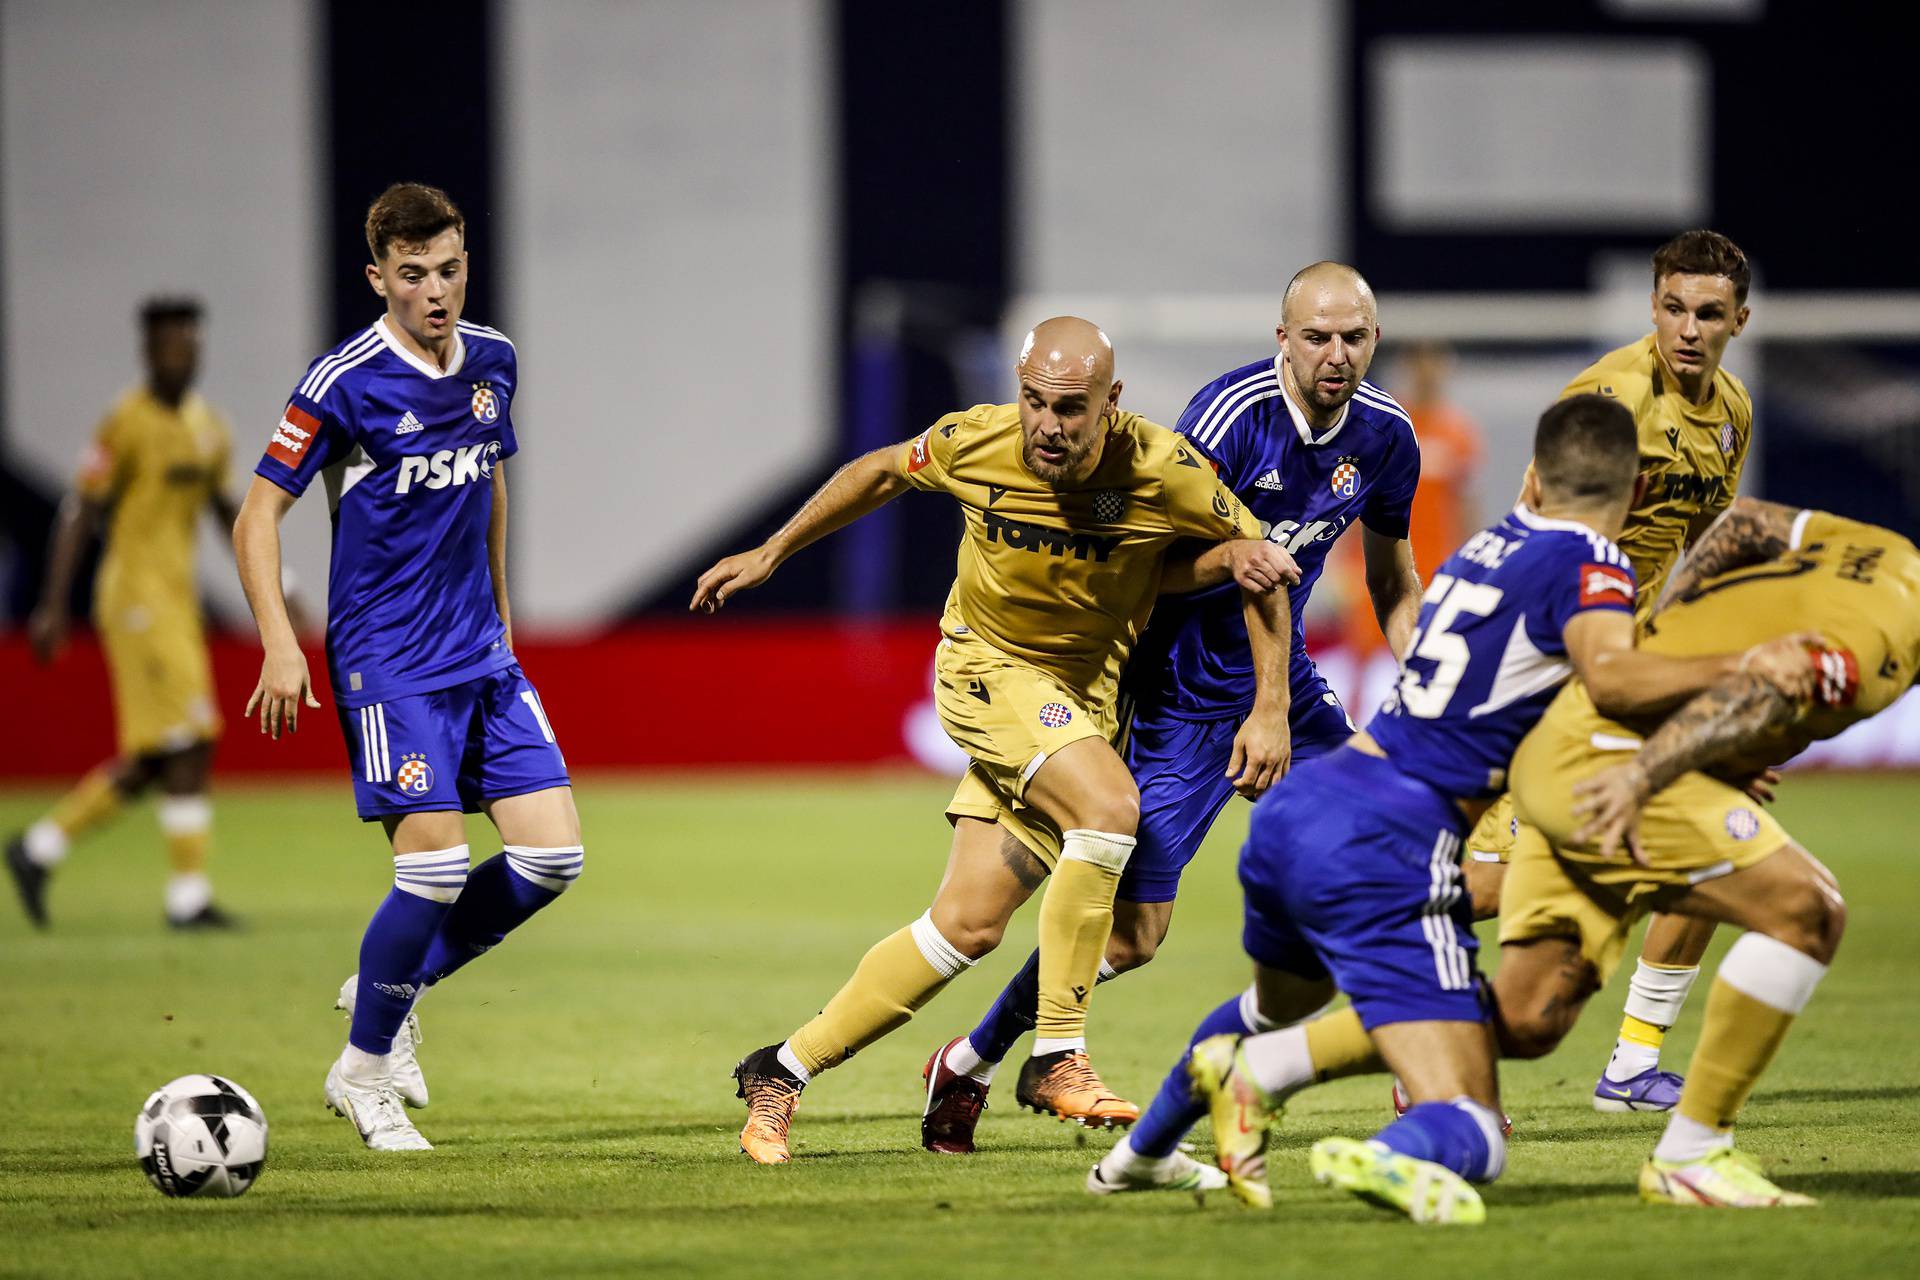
point(284, 684)
point(1261, 566)
point(1262, 750)
point(735, 573)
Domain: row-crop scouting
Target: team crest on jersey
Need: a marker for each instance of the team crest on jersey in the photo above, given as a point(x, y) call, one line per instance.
point(1109, 505)
point(1726, 438)
point(486, 404)
point(414, 777)
point(1055, 714)
point(1743, 824)
point(1346, 477)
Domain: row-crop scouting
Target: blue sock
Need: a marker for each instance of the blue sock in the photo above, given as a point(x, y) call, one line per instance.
point(425, 887)
point(502, 894)
point(1461, 1135)
point(1012, 1015)
point(1174, 1110)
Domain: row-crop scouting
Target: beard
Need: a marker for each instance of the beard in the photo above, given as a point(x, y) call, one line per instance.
point(1055, 472)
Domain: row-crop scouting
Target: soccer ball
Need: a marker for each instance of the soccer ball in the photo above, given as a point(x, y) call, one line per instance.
point(201, 1136)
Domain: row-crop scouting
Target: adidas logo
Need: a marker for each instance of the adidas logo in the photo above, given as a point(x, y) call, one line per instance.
point(1271, 480)
point(409, 424)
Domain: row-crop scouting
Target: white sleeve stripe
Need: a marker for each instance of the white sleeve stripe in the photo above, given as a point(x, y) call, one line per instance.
point(1799, 529)
point(1220, 432)
point(1222, 401)
point(334, 377)
point(1384, 403)
point(347, 351)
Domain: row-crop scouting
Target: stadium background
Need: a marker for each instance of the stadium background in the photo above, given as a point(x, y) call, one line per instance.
point(739, 242)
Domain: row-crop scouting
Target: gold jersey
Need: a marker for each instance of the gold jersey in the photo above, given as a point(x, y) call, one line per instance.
point(158, 467)
point(1693, 453)
point(1065, 579)
point(1856, 584)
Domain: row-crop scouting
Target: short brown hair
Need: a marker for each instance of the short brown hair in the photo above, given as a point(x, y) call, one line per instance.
point(1704, 253)
point(410, 213)
point(1587, 449)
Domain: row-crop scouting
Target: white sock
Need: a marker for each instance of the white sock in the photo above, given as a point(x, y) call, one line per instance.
point(791, 1061)
point(46, 843)
point(1123, 1158)
point(1061, 1044)
point(963, 1059)
point(1629, 1059)
point(363, 1069)
point(1279, 1061)
point(1686, 1139)
point(1654, 996)
point(188, 893)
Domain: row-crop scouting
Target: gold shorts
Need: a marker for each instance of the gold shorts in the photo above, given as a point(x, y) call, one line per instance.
point(163, 699)
point(1009, 716)
point(1697, 829)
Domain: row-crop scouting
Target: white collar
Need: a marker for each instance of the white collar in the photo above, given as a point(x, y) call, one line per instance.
point(398, 348)
point(1293, 410)
point(1534, 520)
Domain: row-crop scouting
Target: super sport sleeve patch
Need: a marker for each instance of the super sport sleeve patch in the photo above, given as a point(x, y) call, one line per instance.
point(1605, 586)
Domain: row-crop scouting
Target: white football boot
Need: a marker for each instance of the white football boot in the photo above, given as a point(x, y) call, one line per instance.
point(375, 1111)
point(408, 1080)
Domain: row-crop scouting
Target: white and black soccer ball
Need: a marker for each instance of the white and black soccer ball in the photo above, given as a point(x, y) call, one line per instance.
point(201, 1136)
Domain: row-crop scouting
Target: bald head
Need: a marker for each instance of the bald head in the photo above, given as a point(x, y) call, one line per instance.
point(1325, 286)
point(1067, 347)
point(1067, 388)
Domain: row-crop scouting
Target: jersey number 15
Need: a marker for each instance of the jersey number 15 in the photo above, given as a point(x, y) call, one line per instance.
point(1433, 640)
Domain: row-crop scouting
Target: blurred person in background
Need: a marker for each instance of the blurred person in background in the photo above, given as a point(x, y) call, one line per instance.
point(158, 460)
point(1445, 510)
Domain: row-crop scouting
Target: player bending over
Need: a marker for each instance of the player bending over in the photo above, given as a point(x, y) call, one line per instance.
point(1311, 448)
point(1071, 505)
point(1351, 869)
point(408, 424)
point(158, 460)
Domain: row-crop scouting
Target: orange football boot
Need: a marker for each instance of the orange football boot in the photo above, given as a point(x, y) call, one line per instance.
point(1065, 1084)
point(772, 1095)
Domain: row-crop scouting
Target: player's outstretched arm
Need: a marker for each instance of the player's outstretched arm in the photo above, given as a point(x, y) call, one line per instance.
point(1254, 563)
point(1263, 748)
point(284, 680)
point(1747, 532)
point(497, 549)
point(865, 484)
point(74, 526)
point(1628, 683)
point(1393, 584)
point(1732, 716)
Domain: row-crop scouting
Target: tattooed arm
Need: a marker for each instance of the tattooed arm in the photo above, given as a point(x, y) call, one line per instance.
point(1747, 532)
point(1733, 715)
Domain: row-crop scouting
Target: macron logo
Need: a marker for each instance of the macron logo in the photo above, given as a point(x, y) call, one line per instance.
point(1271, 480)
point(409, 425)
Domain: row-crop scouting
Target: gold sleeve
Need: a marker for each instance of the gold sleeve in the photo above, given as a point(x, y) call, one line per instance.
point(926, 461)
point(101, 466)
point(1199, 505)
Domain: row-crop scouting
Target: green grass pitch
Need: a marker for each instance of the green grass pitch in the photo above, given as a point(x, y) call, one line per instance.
point(585, 1121)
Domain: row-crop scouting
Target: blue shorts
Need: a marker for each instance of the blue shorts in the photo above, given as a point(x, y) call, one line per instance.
point(1352, 869)
point(452, 748)
point(1181, 769)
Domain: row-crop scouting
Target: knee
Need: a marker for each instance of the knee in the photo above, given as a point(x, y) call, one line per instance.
point(553, 869)
point(1131, 949)
point(1115, 813)
point(1814, 921)
point(1527, 1036)
point(1484, 880)
point(974, 937)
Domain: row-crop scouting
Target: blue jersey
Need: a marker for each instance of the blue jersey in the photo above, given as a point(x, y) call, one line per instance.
point(1490, 652)
point(1194, 661)
point(407, 455)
